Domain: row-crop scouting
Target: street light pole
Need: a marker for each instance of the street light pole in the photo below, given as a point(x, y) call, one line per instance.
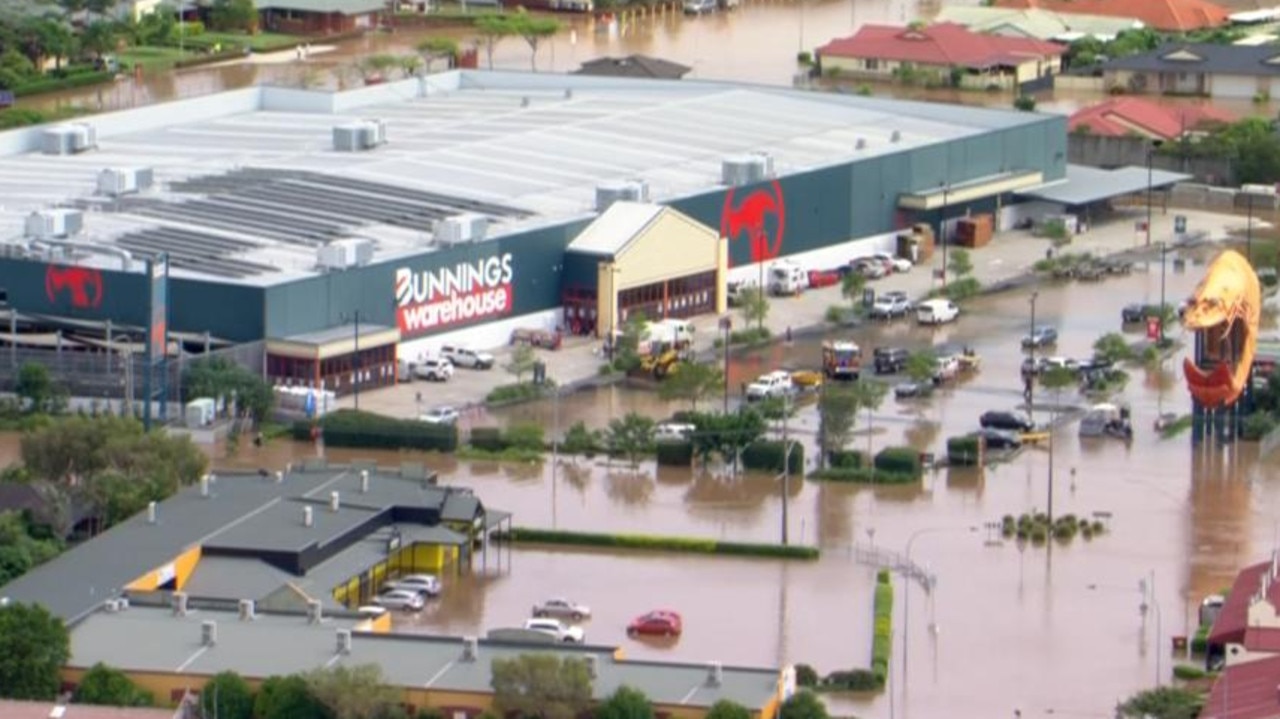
point(356, 360)
point(786, 464)
point(1164, 312)
point(1248, 229)
point(726, 324)
point(1148, 590)
point(1151, 148)
point(942, 228)
point(1030, 390)
point(906, 590)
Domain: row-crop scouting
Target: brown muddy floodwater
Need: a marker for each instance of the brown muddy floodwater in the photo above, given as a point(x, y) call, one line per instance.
point(1005, 628)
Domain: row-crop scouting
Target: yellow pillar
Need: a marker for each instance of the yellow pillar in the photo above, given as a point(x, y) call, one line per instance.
point(607, 298)
point(722, 275)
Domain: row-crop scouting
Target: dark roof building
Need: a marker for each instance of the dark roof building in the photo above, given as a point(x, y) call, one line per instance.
point(1236, 71)
point(634, 66)
point(1247, 629)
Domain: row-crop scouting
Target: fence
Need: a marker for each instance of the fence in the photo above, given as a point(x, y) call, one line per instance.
point(895, 561)
point(1100, 151)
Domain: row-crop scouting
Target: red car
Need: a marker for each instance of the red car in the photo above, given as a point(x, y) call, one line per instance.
point(661, 622)
point(823, 278)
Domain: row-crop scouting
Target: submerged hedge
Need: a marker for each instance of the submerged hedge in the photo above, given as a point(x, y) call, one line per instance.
point(350, 428)
point(882, 635)
point(643, 541)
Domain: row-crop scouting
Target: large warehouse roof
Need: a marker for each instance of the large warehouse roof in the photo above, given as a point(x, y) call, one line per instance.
point(248, 185)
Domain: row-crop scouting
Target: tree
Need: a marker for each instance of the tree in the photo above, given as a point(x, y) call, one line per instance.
point(36, 389)
point(804, 704)
point(352, 692)
point(409, 64)
point(105, 686)
point(234, 15)
point(694, 382)
point(870, 395)
point(1162, 703)
point(1113, 348)
point(288, 698)
point(630, 436)
point(226, 696)
point(626, 353)
point(99, 38)
point(920, 368)
point(533, 29)
point(837, 412)
point(851, 288)
point(437, 48)
point(541, 685)
point(19, 551)
point(755, 306)
point(1025, 103)
point(522, 361)
point(727, 709)
point(1057, 378)
point(625, 703)
point(34, 645)
point(226, 381)
point(960, 263)
point(492, 28)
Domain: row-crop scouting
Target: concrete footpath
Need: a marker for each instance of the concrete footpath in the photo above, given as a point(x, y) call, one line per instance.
point(1009, 257)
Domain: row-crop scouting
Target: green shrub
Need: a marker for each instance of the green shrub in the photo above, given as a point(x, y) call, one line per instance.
point(806, 676)
point(675, 454)
point(580, 440)
point(351, 428)
point(672, 544)
point(962, 289)
point(1256, 426)
point(53, 84)
point(852, 680)
point(524, 435)
point(1188, 672)
point(768, 454)
point(512, 393)
point(899, 460)
point(749, 336)
point(862, 475)
point(1200, 641)
point(964, 451)
point(489, 439)
point(804, 57)
point(882, 628)
point(845, 459)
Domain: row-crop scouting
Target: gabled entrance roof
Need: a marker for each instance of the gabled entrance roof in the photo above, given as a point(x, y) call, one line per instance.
point(618, 227)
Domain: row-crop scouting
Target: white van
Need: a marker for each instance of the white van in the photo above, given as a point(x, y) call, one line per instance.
point(786, 278)
point(936, 312)
point(678, 333)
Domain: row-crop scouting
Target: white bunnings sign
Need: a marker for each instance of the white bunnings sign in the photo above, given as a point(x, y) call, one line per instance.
point(430, 300)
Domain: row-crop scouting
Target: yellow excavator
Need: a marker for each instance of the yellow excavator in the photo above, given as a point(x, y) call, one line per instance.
point(660, 364)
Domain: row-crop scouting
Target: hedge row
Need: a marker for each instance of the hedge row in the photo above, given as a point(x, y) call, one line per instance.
point(862, 475)
point(846, 459)
point(351, 428)
point(901, 460)
point(964, 451)
point(83, 79)
point(768, 455)
point(675, 454)
point(882, 634)
point(672, 544)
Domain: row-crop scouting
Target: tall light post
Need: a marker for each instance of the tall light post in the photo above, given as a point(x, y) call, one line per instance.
point(726, 324)
point(786, 465)
point(1151, 149)
point(1148, 591)
point(942, 226)
point(1164, 311)
point(355, 351)
point(1031, 334)
point(1248, 228)
point(906, 590)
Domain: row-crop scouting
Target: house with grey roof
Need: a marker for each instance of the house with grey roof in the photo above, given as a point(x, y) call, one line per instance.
point(1204, 69)
point(319, 17)
point(634, 66)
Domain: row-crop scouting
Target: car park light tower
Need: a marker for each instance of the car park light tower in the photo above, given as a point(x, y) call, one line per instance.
point(1029, 390)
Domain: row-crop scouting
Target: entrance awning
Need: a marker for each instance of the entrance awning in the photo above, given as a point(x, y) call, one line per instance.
point(1084, 185)
point(970, 190)
point(333, 342)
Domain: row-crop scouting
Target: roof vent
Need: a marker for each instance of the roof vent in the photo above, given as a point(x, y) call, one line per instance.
point(69, 139)
point(715, 674)
point(861, 144)
point(470, 649)
point(461, 229)
point(359, 136)
point(122, 602)
point(895, 136)
point(179, 604)
point(568, 93)
point(151, 512)
point(335, 502)
point(593, 665)
point(344, 641)
point(608, 193)
point(247, 613)
point(208, 633)
point(524, 102)
point(746, 169)
point(344, 253)
point(54, 223)
point(117, 181)
point(307, 518)
point(112, 606)
point(314, 614)
point(364, 481)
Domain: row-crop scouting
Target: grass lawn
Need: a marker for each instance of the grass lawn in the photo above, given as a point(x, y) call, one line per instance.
point(153, 58)
point(262, 42)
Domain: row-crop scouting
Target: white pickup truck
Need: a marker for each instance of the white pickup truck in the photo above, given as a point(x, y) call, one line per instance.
point(773, 384)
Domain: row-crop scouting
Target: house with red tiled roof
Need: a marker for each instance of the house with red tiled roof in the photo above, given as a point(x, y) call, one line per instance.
point(1163, 15)
point(1139, 117)
point(946, 53)
point(1246, 634)
point(50, 710)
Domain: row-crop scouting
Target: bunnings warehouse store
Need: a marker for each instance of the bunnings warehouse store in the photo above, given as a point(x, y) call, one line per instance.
point(393, 218)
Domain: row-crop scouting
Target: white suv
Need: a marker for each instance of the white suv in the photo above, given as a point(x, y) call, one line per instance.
point(427, 584)
point(466, 357)
point(556, 628)
point(436, 369)
point(774, 384)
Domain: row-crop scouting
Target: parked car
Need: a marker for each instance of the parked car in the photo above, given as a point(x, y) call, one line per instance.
point(672, 431)
point(427, 584)
point(895, 263)
point(889, 360)
point(558, 629)
point(891, 305)
point(936, 312)
point(999, 438)
point(1040, 365)
point(461, 356)
point(1137, 312)
point(434, 369)
point(823, 278)
point(773, 384)
point(910, 390)
point(1009, 421)
point(735, 292)
point(698, 7)
point(661, 622)
point(440, 415)
point(947, 368)
point(403, 599)
point(869, 268)
point(1042, 336)
point(563, 608)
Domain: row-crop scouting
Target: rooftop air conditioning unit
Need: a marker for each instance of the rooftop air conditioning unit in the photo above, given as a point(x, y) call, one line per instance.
point(116, 181)
point(341, 254)
point(359, 136)
point(746, 169)
point(69, 139)
point(461, 229)
point(374, 133)
point(625, 191)
point(55, 223)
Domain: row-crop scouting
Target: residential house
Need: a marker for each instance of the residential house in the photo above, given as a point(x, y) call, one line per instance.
point(319, 17)
point(1139, 117)
point(46, 710)
point(946, 52)
point(641, 66)
point(1227, 71)
point(1246, 636)
point(1163, 15)
point(1037, 24)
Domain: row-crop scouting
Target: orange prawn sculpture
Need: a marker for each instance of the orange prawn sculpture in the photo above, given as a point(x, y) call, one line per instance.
point(1224, 312)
